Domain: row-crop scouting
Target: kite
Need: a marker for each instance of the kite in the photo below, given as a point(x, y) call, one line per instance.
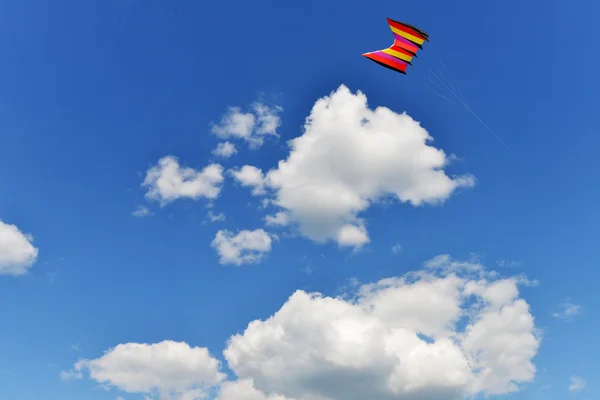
point(408, 41)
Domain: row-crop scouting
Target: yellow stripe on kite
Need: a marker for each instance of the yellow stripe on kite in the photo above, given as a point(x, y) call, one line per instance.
point(397, 54)
point(407, 36)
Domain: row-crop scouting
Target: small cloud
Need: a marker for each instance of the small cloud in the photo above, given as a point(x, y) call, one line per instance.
point(396, 248)
point(250, 176)
point(17, 252)
point(216, 217)
point(120, 398)
point(508, 264)
point(168, 181)
point(279, 219)
point(141, 212)
point(308, 270)
point(225, 150)
point(76, 347)
point(568, 310)
point(251, 126)
point(72, 375)
point(577, 384)
point(245, 247)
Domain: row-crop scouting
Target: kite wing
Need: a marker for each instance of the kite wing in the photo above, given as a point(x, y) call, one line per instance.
point(407, 42)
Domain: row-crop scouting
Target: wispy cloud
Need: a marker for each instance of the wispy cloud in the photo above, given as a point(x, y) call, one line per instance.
point(141, 212)
point(577, 384)
point(508, 264)
point(215, 217)
point(396, 248)
point(568, 310)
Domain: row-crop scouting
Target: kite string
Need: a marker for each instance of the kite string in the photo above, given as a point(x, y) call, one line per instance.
point(457, 94)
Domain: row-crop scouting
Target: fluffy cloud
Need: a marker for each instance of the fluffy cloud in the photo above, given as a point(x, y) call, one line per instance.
point(245, 247)
point(252, 177)
point(448, 331)
point(17, 253)
point(244, 390)
point(577, 384)
point(250, 126)
point(568, 310)
point(349, 157)
point(167, 181)
point(225, 150)
point(445, 332)
point(169, 370)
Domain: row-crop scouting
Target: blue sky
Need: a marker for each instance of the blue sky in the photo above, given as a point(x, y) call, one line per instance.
point(94, 94)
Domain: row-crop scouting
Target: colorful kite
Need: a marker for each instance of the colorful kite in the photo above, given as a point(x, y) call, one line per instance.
point(408, 40)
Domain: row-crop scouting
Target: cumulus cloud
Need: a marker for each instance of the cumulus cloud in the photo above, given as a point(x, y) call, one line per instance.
point(577, 384)
point(250, 126)
point(251, 177)
point(445, 332)
point(169, 370)
point(17, 252)
point(568, 310)
point(348, 158)
point(167, 181)
point(225, 150)
point(245, 390)
point(397, 248)
point(245, 247)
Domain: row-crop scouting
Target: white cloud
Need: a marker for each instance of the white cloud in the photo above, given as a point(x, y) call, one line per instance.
point(169, 370)
point(244, 390)
point(225, 150)
point(235, 123)
point(17, 252)
point(249, 126)
point(141, 211)
point(352, 235)
point(120, 398)
point(445, 332)
point(568, 310)
point(250, 176)
point(245, 247)
point(167, 181)
point(278, 219)
point(268, 119)
point(348, 158)
point(216, 217)
point(396, 248)
point(71, 375)
point(577, 384)
point(450, 330)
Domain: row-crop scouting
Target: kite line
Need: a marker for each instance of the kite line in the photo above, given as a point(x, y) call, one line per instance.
point(454, 96)
point(408, 40)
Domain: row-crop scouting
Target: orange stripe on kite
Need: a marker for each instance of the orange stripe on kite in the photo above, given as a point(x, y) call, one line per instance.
point(387, 61)
point(411, 48)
